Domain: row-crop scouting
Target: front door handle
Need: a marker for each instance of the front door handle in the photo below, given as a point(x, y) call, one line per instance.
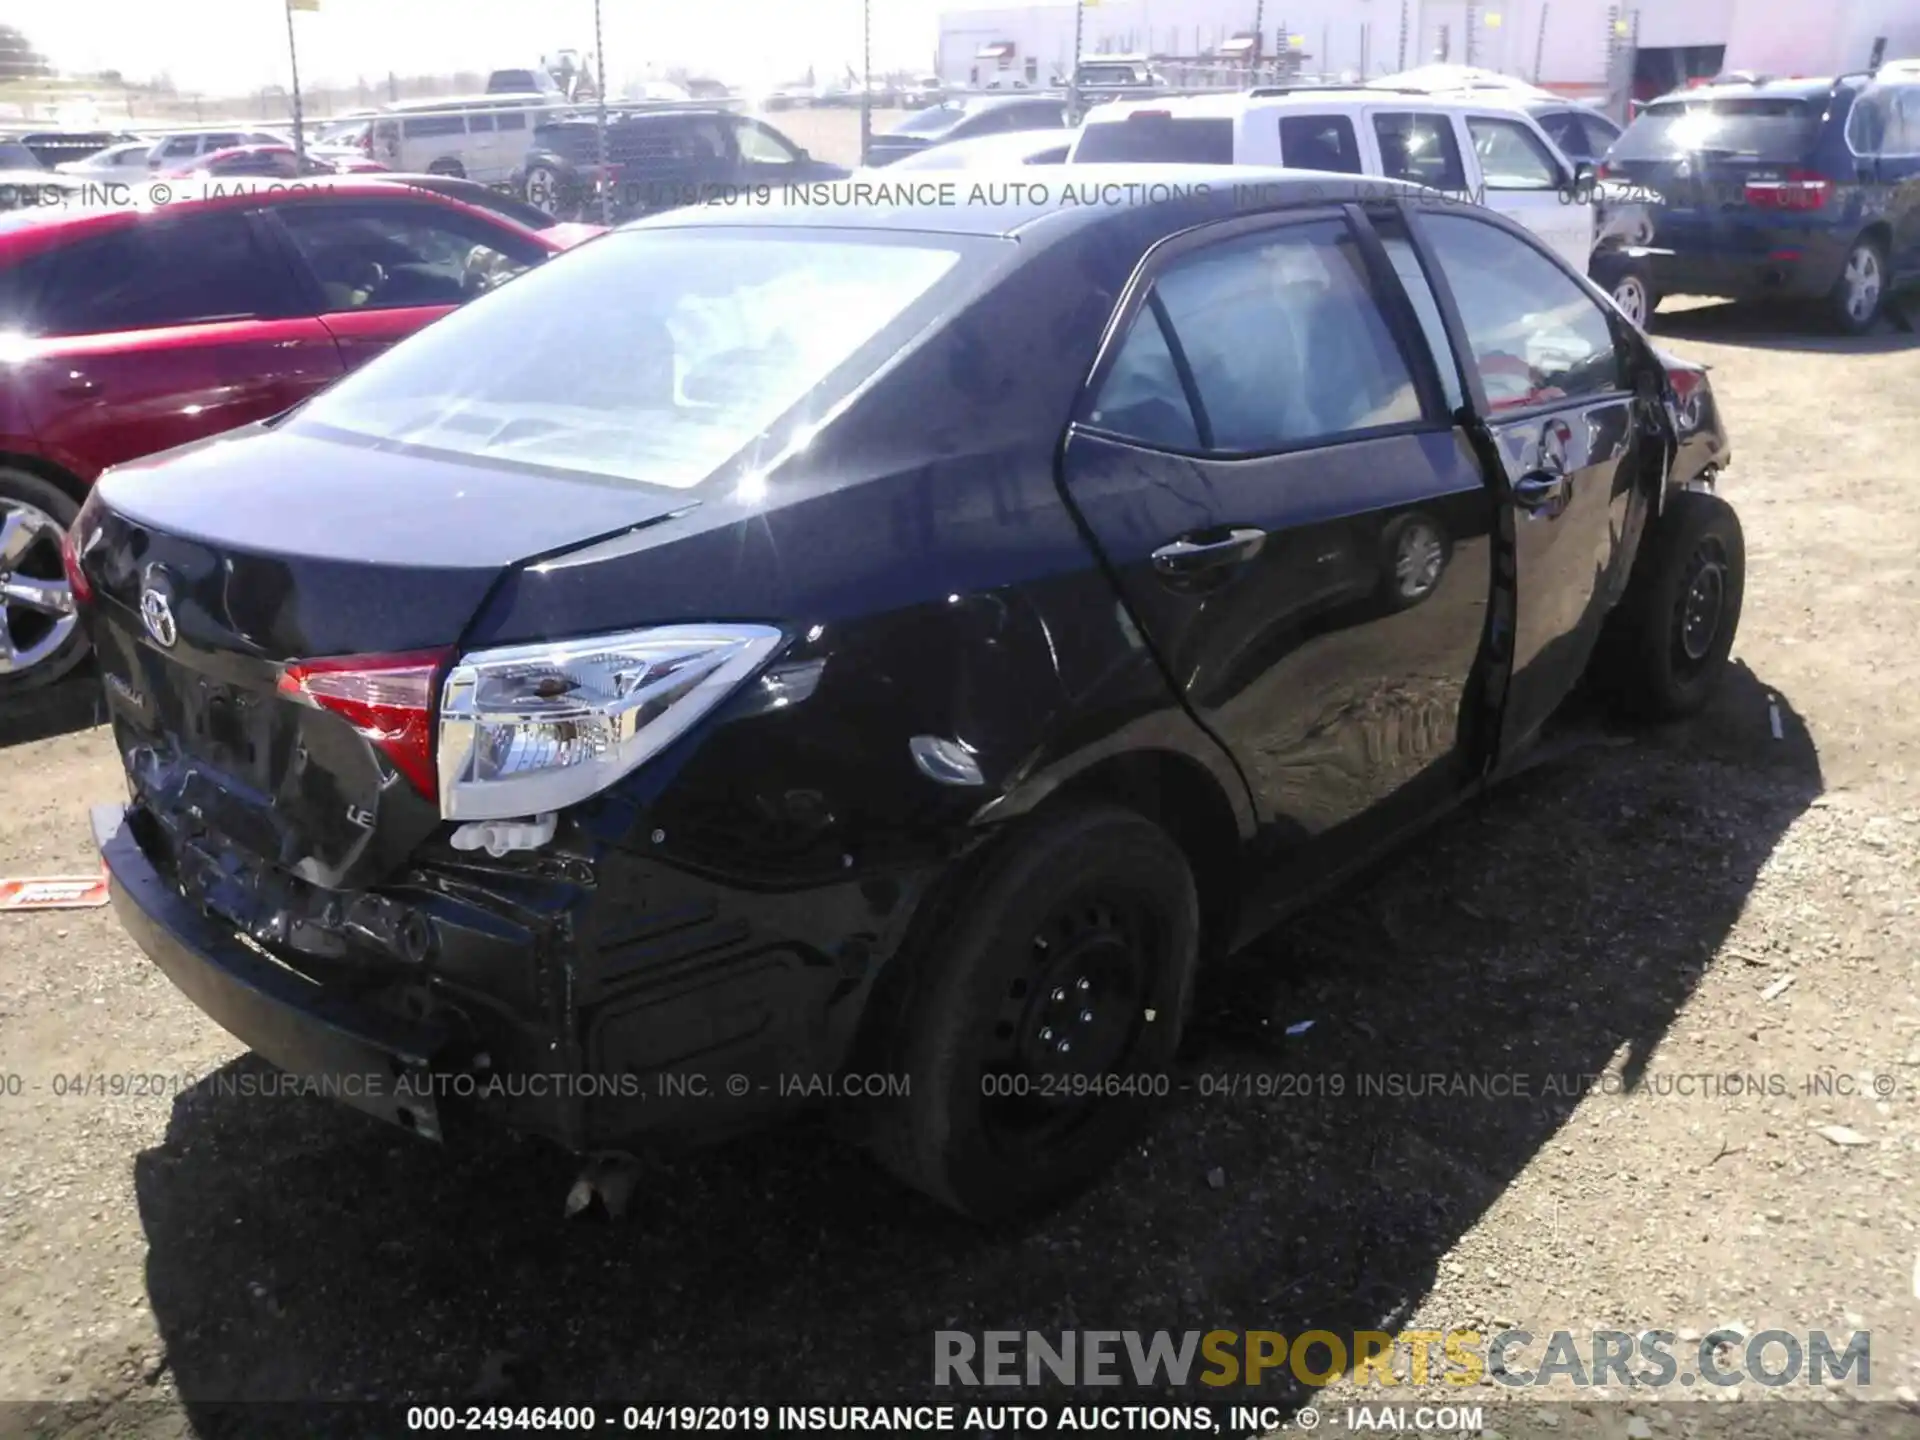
point(1208, 550)
point(1541, 490)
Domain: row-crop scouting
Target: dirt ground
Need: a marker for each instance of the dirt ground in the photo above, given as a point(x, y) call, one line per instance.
point(1711, 899)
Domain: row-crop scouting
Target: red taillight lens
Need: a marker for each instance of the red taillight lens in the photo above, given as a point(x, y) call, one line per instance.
point(77, 581)
point(1800, 190)
point(1689, 396)
point(1605, 172)
point(387, 698)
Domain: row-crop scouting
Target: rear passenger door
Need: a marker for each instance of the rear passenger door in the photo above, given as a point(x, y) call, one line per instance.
point(1320, 142)
point(378, 270)
point(1552, 371)
point(1299, 529)
point(164, 331)
point(1421, 146)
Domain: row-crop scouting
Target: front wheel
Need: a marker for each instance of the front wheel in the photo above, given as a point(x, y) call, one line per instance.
point(1041, 1023)
point(1664, 651)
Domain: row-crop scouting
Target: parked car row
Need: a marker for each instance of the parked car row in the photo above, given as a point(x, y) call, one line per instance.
point(682, 694)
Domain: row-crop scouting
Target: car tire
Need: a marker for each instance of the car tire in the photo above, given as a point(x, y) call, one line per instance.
point(34, 513)
point(1860, 294)
point(1664, 650)
point(445, 166)
point(545, 187)
point(1085, 906)
point(1632, 291)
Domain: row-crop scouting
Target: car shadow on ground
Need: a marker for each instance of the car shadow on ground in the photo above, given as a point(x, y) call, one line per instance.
point(1760, 326)
point(1548, 933)
point(75, 703)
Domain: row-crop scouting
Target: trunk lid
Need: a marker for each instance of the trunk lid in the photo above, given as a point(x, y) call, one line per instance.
point(215, 568)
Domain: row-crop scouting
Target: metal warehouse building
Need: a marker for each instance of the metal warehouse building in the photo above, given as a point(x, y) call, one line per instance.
point(1585, 47)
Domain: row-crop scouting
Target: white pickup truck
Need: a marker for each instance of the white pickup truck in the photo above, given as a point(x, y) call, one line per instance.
point(1489, 152)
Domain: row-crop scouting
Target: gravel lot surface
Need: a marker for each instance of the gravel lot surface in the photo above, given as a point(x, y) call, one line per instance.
point(1713, 899)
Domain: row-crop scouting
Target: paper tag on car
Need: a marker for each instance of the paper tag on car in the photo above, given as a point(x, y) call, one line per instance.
point(54, 892)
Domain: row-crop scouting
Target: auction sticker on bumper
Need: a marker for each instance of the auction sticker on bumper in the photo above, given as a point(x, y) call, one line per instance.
point(54, 892)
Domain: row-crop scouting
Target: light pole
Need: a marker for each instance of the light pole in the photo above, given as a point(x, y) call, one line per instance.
point(1259, 37)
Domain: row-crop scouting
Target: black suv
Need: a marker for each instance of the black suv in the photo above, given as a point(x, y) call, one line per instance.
point(659, 159)
point(1796, 189)
point(769, 657)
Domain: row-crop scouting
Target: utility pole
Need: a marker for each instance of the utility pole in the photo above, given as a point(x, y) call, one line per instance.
point(1403, 37)
point(1540, 43)
point(600, 108)
point(1073, 75)
point(293, 61)
point(1259, 37)
point(866, 79)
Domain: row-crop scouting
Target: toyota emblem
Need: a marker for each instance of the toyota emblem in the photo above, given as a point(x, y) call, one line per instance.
point(156, 612)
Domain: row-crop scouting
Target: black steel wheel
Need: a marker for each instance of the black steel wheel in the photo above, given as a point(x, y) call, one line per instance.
point(1664, 650)
point(1038, 1024)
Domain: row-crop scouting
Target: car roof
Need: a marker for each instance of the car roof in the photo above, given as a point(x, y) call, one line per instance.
point(23, 233)
point(928, 204)
point(1799, 87)
point(1232, 104)
point(1004, 145)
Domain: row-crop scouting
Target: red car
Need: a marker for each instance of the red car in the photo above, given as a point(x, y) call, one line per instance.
point(275, 162)
point(124, 332)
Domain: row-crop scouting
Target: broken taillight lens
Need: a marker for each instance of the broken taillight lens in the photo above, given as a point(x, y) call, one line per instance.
point(77, 582)
point(388, 699)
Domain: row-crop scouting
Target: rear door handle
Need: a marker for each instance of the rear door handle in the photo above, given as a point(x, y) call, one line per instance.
point(1540, 490)
point(1190, 555)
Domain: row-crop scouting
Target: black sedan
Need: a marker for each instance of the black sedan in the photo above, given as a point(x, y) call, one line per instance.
point(877, 661)
point(967, 119)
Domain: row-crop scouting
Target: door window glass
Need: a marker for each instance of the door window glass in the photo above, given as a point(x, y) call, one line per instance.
point(759, 146)
point(1426, 308)
point(156, 273)
point(392, 256)
point(1142, 397)
point(1563, 128)
point(1319, 142)
point(1420, 148)
point(1284, 340)
point(1511, 155)
point(1536, 335)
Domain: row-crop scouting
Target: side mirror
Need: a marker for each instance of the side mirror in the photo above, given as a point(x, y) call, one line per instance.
point(1584, 176)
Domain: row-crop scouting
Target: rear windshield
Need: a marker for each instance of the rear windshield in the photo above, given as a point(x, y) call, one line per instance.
point(651, 355)
point(934, 121)
point(1158, 138)
point(1744, 128)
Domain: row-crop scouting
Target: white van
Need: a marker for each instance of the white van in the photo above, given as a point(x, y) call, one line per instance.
point(1488, 152)
point(482, 137)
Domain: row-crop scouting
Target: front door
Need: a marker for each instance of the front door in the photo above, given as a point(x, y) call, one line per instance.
point(1298, 528)
point(381, 269)
point(1525, 181)
point(1554, 379)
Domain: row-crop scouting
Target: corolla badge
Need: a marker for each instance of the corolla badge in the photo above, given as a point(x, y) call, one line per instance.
point(156, 610)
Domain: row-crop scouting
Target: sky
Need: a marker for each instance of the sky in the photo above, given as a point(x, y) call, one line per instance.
point(241, 45)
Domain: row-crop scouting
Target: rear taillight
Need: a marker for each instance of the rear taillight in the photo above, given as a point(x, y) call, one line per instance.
point(1689, 386)
point(1605, 171)
point(387, 698)
point(1799, 190)
point(77, 582)
point(366, 142)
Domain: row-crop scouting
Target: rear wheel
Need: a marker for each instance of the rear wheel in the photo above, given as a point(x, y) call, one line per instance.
point(1632, 291)
point(1857, 296)
point(448, 166)
point(40, 635)
point(1664, 651)
point(1042, 1022)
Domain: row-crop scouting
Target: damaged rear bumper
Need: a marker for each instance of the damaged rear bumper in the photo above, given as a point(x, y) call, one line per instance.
point(378, 1063)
